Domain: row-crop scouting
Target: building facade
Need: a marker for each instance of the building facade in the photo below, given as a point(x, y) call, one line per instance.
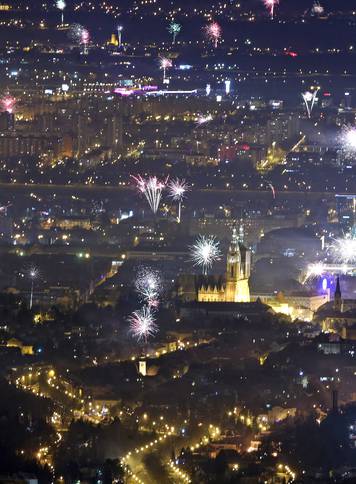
point(235, 286)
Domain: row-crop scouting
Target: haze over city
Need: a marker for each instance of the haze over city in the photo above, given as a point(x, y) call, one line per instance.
point(177, 241)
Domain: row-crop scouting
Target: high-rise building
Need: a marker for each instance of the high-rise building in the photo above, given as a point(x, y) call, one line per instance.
point(346, 212)
point(282, 127)
point(113, 133)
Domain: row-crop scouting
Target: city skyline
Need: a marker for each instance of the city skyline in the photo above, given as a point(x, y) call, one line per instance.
point(177, 242)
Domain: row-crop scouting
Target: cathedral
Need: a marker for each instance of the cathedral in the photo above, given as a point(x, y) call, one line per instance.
point(232, 287)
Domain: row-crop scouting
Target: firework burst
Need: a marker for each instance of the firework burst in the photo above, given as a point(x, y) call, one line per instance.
point(148, 284)
point(213, 33)
point(270, 5)
point(75, 32)
point(204, 119)
point(309, 99)
point(343, 250)
point(205, 252)
point(177, 190)
point(33, 274)
point(317, 8)
point(152, 189)
point(61, 5)
point(174, 29)
point(84, 40)
point(80, 35)
point(315, 270)
point(348, 141)
point(165, 64)
point(8, 103)
point(142, 324)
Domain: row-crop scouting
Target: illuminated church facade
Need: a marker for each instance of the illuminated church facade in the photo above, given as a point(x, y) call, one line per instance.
point(234, 286)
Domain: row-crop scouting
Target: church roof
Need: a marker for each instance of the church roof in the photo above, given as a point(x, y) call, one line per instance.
point(210, 281)
point(327, 310)
point(256, 307)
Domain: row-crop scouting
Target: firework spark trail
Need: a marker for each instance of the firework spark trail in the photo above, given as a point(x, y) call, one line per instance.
point(205, 252)
point(273, 190)
point(61, 5)
point(148, 284)
point(213, 33)
point(165, 64)
point(177, 190)
point(120, 28)
point(203, 119)
point(32, 273)
point(270, 5)
point(84, 40)
point(309, 99)
point(152, 189)
point(174, 29)
point(348, 141)
point(142, 324)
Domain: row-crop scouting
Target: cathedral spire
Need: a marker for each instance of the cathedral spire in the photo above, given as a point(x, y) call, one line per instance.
point(241, 232)
point(234, 244)
point(337, 296)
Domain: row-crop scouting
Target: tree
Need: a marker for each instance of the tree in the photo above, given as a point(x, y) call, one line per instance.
point(112, 469)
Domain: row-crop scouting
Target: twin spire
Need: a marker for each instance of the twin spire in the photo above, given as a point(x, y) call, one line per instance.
point(234, 244)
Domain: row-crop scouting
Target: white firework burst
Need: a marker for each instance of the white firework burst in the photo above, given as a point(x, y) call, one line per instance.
point(317, 8)
point(314, 270)
point(75, 32)
point(177, 190)
point(33, 274)
point(148, 284)
point(205, 252)
point(142, 324)
point(343, 250)
point(348, 141)
point(310, 99)
point(203, 119)
point(61, 4)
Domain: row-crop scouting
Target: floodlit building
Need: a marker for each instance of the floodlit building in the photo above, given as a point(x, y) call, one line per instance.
point(234, 287)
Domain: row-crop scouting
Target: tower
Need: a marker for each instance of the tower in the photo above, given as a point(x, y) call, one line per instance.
point(233, 268)
point(337, 297)
point(237, 271)
point(235, 287)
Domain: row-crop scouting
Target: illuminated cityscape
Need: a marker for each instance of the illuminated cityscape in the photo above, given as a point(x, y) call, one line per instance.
point(178, 241)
